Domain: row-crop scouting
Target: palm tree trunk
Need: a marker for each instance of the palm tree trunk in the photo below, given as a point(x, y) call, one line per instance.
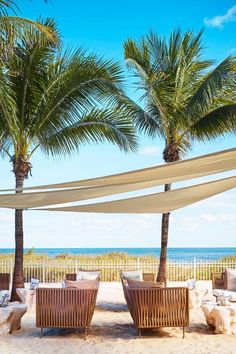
point(161, 276)
point(18, 276)
point(171, 153)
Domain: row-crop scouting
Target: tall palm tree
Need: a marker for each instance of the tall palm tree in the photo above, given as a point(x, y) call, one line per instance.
point(57, 103)
point(184, 98)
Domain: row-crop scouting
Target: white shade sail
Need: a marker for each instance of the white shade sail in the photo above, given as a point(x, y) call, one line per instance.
point(117, 184)
point(166, 173)
point(156, 203)
point(141, 179)
point(38, 199)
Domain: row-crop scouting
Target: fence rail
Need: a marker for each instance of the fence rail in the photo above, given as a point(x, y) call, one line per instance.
point(54, 270)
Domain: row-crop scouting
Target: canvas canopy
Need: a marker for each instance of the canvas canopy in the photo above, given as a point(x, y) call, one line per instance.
point(173, 172)
point(38, 199)
point(142, 179)
point(156, 203)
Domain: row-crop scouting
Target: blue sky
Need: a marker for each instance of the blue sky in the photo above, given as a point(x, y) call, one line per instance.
point(103, 27)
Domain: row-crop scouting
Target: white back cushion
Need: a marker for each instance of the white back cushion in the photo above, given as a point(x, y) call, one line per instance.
point(133, 274)
point(87, 275)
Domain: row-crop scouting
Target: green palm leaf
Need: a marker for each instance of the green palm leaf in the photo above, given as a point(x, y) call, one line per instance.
point(218, 122)
point(94, 127)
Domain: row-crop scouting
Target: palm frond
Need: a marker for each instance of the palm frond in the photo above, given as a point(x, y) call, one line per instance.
point(76, 83)
point(218, 122)
point(6, 5)
point(209, 87)
point(13, 27)
point(94, 127)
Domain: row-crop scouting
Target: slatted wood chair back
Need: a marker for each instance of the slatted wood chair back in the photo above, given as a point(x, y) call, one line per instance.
point(219, 280)
point(65, 308)
point(158, 307)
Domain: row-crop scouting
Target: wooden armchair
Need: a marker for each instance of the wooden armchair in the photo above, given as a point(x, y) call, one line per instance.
point(4, 281)
point(218, 280)
point(65, 308)
point(158, 307)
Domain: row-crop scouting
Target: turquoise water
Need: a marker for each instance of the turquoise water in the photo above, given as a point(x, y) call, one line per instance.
point(173, 253)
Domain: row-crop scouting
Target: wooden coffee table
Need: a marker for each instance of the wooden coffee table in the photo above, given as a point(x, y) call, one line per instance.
point(223, 318)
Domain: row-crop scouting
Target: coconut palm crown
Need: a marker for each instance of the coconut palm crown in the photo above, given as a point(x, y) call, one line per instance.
point(56, 102)
point(185, 98)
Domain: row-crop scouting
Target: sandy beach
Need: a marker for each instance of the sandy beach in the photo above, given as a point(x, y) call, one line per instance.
point(111, 331)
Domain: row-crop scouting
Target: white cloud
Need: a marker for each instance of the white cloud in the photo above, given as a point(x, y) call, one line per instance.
point(219, 21)
point(219, 217)
point(208, 217)
point(150, 150)
point(6, 216)
point(227, 217)
point(189, 223)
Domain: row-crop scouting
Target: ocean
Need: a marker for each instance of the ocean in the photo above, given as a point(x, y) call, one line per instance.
point(173, 253)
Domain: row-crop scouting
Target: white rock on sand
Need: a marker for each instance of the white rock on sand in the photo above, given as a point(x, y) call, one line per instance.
point(112, 332)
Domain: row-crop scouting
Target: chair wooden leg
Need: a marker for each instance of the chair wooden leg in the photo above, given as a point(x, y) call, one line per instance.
point(85, 333)
point(41, 333)
point(139, 333)
point(183, 332)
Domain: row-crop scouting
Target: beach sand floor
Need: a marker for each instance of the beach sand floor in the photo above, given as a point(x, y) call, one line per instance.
point(111, 332)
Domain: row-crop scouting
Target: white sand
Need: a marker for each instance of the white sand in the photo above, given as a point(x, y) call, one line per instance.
point(111, 332)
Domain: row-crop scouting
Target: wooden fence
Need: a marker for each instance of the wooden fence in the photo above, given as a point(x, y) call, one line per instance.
point(54, 270)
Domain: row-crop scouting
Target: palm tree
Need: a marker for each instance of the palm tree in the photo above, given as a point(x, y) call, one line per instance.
point(185, 98)
point(57, 103)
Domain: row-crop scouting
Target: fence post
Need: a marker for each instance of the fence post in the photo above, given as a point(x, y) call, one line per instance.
point(138, 263)
point(76, 266)
point(194, 268)
point(43, 270)
point(11, 271)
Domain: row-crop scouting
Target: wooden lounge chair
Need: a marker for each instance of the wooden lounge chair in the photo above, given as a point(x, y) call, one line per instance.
point(65, 308)
point(158, 307)
point(218, 280)
point(4, 281)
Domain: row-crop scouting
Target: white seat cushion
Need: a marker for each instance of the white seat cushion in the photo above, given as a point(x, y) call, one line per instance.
point(231, 294)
